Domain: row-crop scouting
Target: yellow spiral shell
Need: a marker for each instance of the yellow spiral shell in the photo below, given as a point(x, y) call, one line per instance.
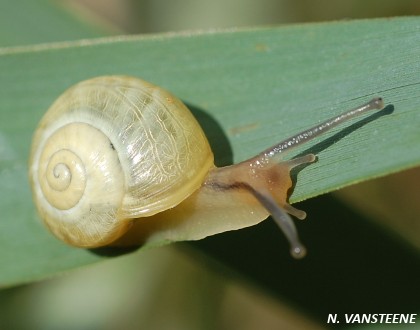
point(112, 149)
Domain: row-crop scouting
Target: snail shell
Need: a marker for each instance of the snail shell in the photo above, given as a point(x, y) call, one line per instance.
point(111, 149)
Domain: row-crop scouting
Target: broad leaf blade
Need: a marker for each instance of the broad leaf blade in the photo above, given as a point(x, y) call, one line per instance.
point(249, 89)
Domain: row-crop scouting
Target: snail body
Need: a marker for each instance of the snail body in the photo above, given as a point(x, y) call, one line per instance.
point(117, 160)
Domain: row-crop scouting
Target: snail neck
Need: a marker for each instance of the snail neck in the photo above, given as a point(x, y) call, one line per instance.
point(263, 184)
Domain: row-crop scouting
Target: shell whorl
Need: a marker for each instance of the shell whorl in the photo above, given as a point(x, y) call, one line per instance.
point(111, 149)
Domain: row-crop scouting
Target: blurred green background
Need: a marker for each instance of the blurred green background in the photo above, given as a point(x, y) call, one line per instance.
point(225, 282)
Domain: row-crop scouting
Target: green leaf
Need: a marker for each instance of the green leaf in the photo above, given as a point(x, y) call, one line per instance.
point(248, 88)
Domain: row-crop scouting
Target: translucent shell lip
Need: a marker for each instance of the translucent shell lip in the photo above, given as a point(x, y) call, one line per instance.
point(166, 155)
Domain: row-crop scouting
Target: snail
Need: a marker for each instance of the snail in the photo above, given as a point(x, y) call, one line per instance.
point(118, 161)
